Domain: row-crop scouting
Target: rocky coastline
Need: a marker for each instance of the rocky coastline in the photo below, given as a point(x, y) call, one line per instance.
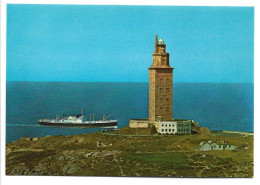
point(131, 152)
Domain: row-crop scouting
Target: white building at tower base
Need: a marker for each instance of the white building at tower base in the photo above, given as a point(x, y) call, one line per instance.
point(174, 127)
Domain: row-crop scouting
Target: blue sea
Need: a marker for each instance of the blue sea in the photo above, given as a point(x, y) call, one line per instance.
point(224, 106)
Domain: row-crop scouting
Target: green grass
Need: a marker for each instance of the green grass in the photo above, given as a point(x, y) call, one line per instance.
point(165, 161)
point(177, 157)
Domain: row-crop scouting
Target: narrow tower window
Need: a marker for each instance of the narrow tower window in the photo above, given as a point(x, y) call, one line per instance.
point(161, 90)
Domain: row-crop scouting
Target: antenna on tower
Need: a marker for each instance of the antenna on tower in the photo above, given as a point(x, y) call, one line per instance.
point(156, 43)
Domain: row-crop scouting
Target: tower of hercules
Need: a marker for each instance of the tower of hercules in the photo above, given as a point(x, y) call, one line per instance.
point(160, 84)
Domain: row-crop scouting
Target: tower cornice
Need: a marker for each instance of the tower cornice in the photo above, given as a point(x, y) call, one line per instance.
point(161, 67)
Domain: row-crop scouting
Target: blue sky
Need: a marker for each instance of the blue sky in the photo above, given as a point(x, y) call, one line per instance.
point(115, 43)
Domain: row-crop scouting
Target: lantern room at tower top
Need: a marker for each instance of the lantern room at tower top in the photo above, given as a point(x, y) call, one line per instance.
point(160, 57)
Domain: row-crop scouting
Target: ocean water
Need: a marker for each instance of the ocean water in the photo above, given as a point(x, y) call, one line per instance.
point(224, 106)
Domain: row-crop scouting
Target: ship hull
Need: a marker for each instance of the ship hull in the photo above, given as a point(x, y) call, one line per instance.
point(96, 124)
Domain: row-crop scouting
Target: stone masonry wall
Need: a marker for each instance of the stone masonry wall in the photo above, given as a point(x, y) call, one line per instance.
point(139, 123)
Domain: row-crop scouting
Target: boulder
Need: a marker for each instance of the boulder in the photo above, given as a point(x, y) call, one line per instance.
point(35, 138)
point(204, 130)
point(8, 150)
point(40, 168)
point(69, 169)
point(18, 170)
point(66, 157)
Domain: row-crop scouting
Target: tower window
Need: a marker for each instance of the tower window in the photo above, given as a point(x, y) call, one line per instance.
point(163, 58)
point(161, 90)
point(167, 109)
point(161, 109)
point(167, 90)
point(161, 81)
point(167, 80)
point(167, 100)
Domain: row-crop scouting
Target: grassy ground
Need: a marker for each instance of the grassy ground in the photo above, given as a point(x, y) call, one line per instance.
point(130, 152)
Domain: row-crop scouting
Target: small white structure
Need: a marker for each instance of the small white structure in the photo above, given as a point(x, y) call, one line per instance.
point(214, 146)
point(175, 127)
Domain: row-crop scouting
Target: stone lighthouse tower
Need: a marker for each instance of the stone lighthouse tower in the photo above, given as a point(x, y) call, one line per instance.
point(160, 84)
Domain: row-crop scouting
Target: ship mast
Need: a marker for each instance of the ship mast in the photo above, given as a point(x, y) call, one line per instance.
point(81, 111)
point(105, 117)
